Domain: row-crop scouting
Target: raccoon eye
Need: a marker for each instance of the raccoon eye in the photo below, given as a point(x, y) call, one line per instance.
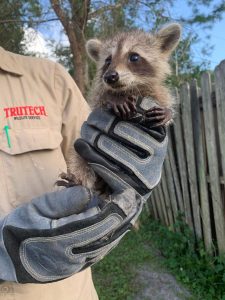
point(108, 60)
point(134, 57)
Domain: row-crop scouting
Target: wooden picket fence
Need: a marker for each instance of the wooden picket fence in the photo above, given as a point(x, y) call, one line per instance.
point(193, 177)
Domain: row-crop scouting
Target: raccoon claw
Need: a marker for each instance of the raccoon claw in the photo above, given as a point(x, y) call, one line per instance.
point(158, 116)
point(125, 110)
point(68, 180)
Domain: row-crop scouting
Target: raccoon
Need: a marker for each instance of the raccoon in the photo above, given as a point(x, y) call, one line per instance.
point(134, 65)
point(130, 66)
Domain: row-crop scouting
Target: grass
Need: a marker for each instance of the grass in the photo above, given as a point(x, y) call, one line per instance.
point(204, 275)
point(114, 276)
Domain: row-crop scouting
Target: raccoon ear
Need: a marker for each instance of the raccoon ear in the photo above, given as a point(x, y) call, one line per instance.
point(169, 37)
point(93, 47)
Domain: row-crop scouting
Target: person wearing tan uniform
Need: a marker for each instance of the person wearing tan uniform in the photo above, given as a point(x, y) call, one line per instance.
point(41, 110)
point(50, 236)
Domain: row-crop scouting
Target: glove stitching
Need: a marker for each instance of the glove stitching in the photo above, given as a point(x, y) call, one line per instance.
point(110, 246)
point(102, 139)
point(68, 252)
point(137, 160)
point(106, 250)
point(118, 129)
point(128, 164)
point(92, 253)
point(23, 251)
point(69, 235)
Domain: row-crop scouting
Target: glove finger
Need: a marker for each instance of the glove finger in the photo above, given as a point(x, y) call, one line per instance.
point(110, 147)
point(101, 119)
point(76, 217)
point(125, 200)
point(121, 181)
point(105, 121)
point(62, 203)
point(92, 156)
point(135, 155)
point(98, 140)
point(108, 170)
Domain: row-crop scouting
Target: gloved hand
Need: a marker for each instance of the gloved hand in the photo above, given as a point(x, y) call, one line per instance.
point(62, 233)
point(125, 154)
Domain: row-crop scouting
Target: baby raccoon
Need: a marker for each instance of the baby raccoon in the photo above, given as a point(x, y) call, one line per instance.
point(130, 66)
point(134, 65)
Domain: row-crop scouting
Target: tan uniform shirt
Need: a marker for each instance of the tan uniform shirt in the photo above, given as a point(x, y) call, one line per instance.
point(41, 112)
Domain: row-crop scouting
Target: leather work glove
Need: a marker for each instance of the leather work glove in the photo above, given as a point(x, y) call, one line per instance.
point(125, 154)
point(62, 233)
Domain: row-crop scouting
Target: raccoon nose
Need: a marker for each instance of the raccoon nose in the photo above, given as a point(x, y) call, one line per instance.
point(111, 77)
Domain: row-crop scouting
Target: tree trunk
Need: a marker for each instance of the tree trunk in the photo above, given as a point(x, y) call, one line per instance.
point(77, 46)
point(74, 28)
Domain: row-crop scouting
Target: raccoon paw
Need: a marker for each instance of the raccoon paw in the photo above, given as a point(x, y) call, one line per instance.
point(158, 116)
point(67, 180)
point(124, 107)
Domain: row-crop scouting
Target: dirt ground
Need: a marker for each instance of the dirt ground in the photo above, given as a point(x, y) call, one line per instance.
point(159, 285)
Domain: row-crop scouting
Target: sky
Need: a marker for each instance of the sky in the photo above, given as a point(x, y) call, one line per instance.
point(40, 40)
point(218, 40)
point(217, 35)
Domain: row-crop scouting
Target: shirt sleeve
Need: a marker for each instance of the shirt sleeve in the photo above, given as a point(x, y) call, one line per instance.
point(73, 106)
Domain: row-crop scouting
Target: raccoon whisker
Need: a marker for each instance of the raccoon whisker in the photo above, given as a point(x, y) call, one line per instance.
point(125, 75)
point(138, 91)
point(135, 90)
point(146, 88)
point(130, 88)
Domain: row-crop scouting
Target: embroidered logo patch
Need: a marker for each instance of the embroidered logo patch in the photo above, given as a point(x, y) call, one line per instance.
point(25, 112)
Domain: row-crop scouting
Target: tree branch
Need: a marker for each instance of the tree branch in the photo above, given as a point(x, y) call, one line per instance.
point(86, 13)
point(105, 9)
point(61, 14)
point(7, 21)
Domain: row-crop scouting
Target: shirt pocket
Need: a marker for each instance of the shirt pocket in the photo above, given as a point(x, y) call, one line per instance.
point(18, 141)
point(29, 165)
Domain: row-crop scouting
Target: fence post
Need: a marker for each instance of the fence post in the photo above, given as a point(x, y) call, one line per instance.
point(182, 165)
point(212, 152)
point(201, 165)
point(220, 103)
point(189, 147)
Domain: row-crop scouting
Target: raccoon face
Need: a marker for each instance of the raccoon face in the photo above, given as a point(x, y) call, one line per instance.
point(135, 59)
point(115, 71)
point(125, 69)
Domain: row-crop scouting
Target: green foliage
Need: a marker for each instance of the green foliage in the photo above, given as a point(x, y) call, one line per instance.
point(183, 66)
point(11, 33)
point(120, 17)
point(114, 276)
point(188, 260)
point(217, 9)
point(13, 16)
point(64, 57)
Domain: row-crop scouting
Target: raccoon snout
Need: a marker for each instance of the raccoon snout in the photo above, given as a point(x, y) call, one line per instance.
point(111, 77)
